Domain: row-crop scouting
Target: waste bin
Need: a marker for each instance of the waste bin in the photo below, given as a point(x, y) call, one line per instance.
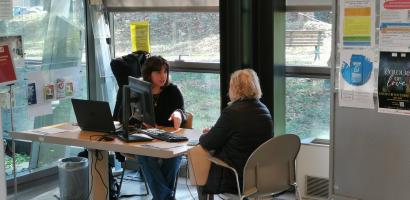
point(73, 178)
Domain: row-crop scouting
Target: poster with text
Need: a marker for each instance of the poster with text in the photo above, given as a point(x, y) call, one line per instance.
point(357, 23)
point(60, 88)
point(393, 83)
point(15, 44)
point(8, 73)
point(31, 94)
point(6, 9)
point(394, 25)
point(48, 92)
point(356, 78)
point(69, 89)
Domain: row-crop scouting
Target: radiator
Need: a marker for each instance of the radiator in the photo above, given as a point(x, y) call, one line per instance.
point(317, 187)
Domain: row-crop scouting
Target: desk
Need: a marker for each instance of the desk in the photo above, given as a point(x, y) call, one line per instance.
point(73, 136)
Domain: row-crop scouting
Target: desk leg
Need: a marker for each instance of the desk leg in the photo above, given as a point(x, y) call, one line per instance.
point(13, 150)
point(98, 165)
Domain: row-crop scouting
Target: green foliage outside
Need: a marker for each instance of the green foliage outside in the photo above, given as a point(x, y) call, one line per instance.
point(201, 96)
point(308, 107)
point(20, 159)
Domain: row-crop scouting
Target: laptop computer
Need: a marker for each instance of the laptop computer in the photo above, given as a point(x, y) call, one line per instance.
point(96, 116)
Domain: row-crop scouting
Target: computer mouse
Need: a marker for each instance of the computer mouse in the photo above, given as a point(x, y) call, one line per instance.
point(106, 139)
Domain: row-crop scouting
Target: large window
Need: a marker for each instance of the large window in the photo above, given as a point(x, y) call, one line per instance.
point(53, 36)
point(308, 38)
point(187, 36)
point(308, 107)
point(201, 96)
point(308, 54)
point(192, 40)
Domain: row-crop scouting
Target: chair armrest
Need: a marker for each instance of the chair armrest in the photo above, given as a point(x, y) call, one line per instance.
point(221, 163)
point(224, 164)
point(250, 191)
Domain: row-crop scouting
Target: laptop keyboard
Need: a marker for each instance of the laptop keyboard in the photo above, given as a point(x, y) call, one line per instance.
point(163, 135)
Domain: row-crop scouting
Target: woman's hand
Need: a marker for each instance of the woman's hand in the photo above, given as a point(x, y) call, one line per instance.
point(176, 118)
point(206, 130)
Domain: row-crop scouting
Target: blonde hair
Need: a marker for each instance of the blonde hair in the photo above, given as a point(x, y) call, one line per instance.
point(244, 84)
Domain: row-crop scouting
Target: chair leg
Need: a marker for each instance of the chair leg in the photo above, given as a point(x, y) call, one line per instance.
point(202, 195)
point(122, 177)
point(176, 183)
point(297, 194)
point(132, 195)
point(145, 181)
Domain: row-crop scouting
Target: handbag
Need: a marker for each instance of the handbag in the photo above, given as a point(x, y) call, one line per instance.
point(198, 165)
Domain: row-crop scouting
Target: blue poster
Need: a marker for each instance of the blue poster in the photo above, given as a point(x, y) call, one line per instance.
point(356, 79)
point(358, 71)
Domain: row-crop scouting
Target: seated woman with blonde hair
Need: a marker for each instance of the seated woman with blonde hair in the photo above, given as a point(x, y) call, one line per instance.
point(244, 125)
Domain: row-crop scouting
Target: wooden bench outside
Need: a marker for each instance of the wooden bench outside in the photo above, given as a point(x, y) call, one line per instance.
point(305, 38)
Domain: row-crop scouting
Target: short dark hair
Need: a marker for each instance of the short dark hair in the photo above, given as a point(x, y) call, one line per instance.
point(154, 64)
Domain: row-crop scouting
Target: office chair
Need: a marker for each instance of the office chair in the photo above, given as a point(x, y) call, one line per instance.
point(188, 125)
point(270, 169)
point(131, 163)
point(129, 65)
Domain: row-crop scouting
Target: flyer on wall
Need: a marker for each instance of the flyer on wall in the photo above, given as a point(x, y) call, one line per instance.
point(393, 83)
point(15, 44)
point(6, 9)
point(357, 19)
point(394, 26)
point(8, 73)
point(356, 78)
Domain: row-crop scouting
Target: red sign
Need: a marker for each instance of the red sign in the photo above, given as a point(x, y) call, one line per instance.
point(397, 4)
point(7, 73)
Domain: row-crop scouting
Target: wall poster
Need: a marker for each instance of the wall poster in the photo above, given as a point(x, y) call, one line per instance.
point(357, 23)
point(15, 44)
point(394, 26)
point(356, 78)
point(8, 73)
point(394, 83)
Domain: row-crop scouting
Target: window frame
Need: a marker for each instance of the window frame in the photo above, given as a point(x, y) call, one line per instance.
point(310, 71)
point(298, 71)
point(306, 71)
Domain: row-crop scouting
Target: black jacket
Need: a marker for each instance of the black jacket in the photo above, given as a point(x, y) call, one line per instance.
point(169, 100)
point(241, 128)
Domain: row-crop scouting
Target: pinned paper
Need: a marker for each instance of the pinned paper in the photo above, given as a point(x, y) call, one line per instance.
point(140, 36)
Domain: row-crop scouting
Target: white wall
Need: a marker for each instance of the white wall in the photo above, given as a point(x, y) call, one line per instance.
point(3, 191)
point(312, 160)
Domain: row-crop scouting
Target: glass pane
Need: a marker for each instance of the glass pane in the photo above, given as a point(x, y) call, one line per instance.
point(308, 38)
point(201, 96)
point(187, 36)
point(308, 107)
point(53, 71)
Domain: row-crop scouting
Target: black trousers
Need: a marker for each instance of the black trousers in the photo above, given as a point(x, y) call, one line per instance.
point(202, 195)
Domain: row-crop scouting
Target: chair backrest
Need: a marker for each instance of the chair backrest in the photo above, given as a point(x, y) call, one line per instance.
point(271, 167)
point(189, 120)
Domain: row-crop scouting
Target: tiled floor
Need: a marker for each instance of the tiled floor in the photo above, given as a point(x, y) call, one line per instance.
point(48, 190)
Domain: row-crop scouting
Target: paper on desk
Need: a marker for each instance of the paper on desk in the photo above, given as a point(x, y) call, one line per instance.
point(48, 130)
point(163, 145)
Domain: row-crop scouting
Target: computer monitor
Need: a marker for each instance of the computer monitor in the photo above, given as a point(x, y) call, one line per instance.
point(137, 103)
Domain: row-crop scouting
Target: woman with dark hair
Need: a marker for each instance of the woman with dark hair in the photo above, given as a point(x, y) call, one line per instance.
point(169, 111)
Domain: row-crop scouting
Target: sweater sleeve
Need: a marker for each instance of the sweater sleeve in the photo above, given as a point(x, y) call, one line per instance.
point(215, 139)
point(177, 101)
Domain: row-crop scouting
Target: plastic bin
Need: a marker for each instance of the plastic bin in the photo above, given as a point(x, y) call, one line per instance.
point(73, 178)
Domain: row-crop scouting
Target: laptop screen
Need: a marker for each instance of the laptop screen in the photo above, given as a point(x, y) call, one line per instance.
point(93, 115)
